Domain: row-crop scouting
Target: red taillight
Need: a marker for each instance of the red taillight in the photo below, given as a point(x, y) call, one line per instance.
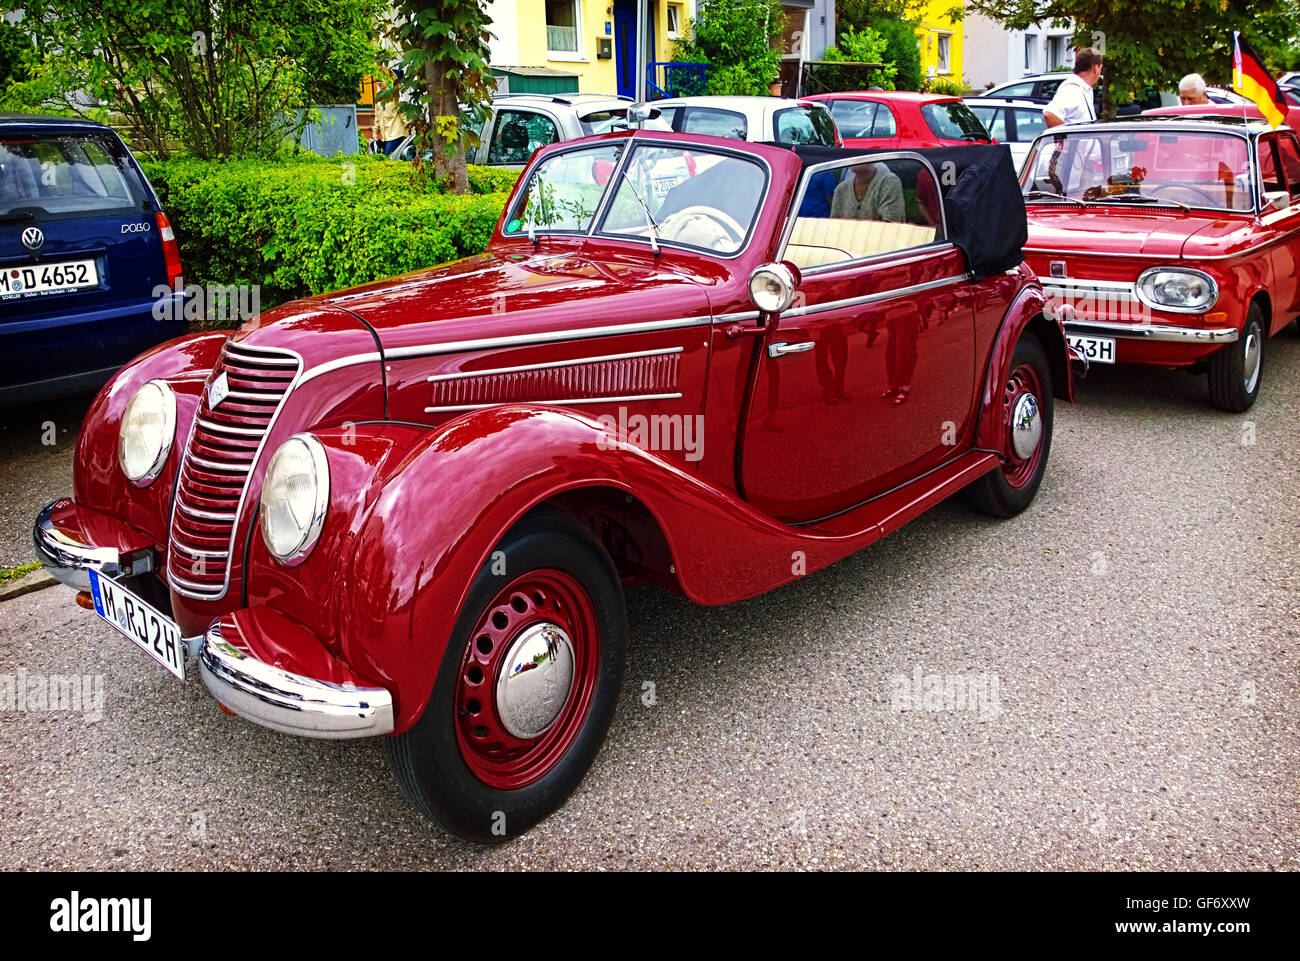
point(171, 252)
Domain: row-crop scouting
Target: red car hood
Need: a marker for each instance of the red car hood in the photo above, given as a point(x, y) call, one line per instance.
point(493, 295)
point(1104, 230)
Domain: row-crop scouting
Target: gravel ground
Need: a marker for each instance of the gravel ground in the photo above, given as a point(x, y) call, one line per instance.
point(1139, 623)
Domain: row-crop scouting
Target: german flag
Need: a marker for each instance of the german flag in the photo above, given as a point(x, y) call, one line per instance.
point(1250, 79)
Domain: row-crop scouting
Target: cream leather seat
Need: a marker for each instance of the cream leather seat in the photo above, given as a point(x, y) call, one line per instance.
point(827, 240)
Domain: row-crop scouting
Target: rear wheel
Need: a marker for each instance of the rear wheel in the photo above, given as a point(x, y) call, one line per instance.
point(1237, 369)
point(1027, 422)
point(526, 689)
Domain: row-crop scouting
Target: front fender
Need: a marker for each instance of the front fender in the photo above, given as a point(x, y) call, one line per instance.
point(432, 523)
point(97, 481)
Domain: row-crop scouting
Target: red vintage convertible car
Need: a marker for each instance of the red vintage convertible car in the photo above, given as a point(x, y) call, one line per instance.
point(1171, 241)
point(409, 508)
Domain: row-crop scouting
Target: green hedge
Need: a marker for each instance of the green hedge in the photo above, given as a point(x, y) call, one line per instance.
point(308, 225)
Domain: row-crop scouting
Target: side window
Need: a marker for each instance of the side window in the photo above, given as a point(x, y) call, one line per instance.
point(517, 133)
point(855, 118)
point(1029, 124)
point(864, 209)
point(1047, 88)
point(1290, 164)
point(1016, 90)
point(715, 123)
point(1270, 174)
point(805, 125)
point(993, 119)
point(885, 125)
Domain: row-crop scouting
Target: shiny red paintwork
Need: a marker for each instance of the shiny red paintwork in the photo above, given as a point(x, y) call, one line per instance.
point(419, 499)
point(911, 128)
point(1251, 256)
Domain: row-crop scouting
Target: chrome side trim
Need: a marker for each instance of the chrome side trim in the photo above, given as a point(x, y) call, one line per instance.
point(288, 702)
point(873, 298)
point(556, 403)
point(1152, 332)
point(69, 561)
point(514, 340)
point(461, 374)
point(1113, 288)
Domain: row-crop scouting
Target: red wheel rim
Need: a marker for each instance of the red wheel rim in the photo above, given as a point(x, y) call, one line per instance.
point(497, 757)
point(1023, 381)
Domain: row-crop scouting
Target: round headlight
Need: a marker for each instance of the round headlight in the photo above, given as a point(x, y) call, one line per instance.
point(145, 438)
point(1178, 289)
point(771, 288)
point(294, 497)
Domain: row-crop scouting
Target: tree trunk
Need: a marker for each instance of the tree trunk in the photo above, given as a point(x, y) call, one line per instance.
point(448, 158)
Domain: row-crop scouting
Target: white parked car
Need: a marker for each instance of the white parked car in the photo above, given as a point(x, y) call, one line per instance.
point(1013, 122)
point(770, 119)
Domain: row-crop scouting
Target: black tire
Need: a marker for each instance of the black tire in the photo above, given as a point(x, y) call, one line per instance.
point(1231, 386)
point(999, 493)
point(427, 759)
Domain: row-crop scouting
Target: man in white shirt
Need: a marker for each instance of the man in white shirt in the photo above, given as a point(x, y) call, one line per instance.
point(1073, 102)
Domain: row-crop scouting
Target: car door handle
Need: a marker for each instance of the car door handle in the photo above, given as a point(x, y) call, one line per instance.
point(781, 348)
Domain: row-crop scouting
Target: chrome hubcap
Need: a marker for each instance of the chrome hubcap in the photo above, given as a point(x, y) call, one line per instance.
point(1250, 363)
point(535, 681)
point(1026, 426)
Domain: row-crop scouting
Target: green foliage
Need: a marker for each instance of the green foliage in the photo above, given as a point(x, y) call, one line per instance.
point(225, 80)
point(902, 50)
point(445, 67)
point(15, 47)
point(858, 46)
point(739, 39)
point(309, 225)
point(1156, 42)
point(947, 88)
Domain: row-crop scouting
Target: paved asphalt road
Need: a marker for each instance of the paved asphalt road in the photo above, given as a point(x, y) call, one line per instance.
point(1140, 622)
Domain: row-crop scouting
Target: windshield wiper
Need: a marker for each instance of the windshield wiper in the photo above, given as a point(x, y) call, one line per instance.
point(654, 227)
point(18, 217)
point(1048, 193)
point(1145, 199)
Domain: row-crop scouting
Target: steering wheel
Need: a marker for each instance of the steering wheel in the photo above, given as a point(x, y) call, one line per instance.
point(676, 224)
point(1196, 190)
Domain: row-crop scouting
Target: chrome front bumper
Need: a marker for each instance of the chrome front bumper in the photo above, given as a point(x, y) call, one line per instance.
point(70, 561)
point(287, 702)
point(1156, 333)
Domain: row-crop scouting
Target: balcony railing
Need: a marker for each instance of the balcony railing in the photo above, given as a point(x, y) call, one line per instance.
point(562, 39)
point(664, 79)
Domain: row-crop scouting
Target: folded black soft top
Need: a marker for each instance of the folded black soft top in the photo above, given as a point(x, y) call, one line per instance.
point(982, 202)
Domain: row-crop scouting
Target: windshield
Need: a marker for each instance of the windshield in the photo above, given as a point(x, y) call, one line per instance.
point(1158, 166)
point(952, 120)
point(666, 194)
point(63, 174)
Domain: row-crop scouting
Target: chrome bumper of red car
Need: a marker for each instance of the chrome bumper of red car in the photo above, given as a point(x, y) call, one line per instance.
point(288, 702)
point(70, 561)
point(1151, 332)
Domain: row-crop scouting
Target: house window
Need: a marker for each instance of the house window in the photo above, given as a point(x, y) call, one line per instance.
point(945, 43)
point(1031, 41)
point(674, 20)
point(1054, 59)
point(562, 26)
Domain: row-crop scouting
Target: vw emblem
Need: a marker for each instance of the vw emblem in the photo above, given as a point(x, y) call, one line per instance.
point(33, 238)
point(218, 390)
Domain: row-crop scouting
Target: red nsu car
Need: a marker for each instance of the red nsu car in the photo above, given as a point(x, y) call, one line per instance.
point(409, 508)
point(1170, 240)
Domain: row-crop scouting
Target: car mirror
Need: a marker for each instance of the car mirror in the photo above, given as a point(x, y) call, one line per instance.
point(639, 113)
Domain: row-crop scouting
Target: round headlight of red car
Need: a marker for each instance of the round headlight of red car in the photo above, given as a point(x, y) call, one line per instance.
point(295, 494)
point(148, 428)
point(1179, 289)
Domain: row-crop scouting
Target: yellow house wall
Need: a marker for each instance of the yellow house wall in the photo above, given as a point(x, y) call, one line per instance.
point(594, 75)
point(934, 20)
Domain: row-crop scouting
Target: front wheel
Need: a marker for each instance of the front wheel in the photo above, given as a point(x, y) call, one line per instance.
point(1236, 370)
point(1027, 422)
point(527, 686)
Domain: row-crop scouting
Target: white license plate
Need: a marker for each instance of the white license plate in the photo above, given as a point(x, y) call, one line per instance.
point(154, 633)
point(1098, 350)
point(33, 280)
